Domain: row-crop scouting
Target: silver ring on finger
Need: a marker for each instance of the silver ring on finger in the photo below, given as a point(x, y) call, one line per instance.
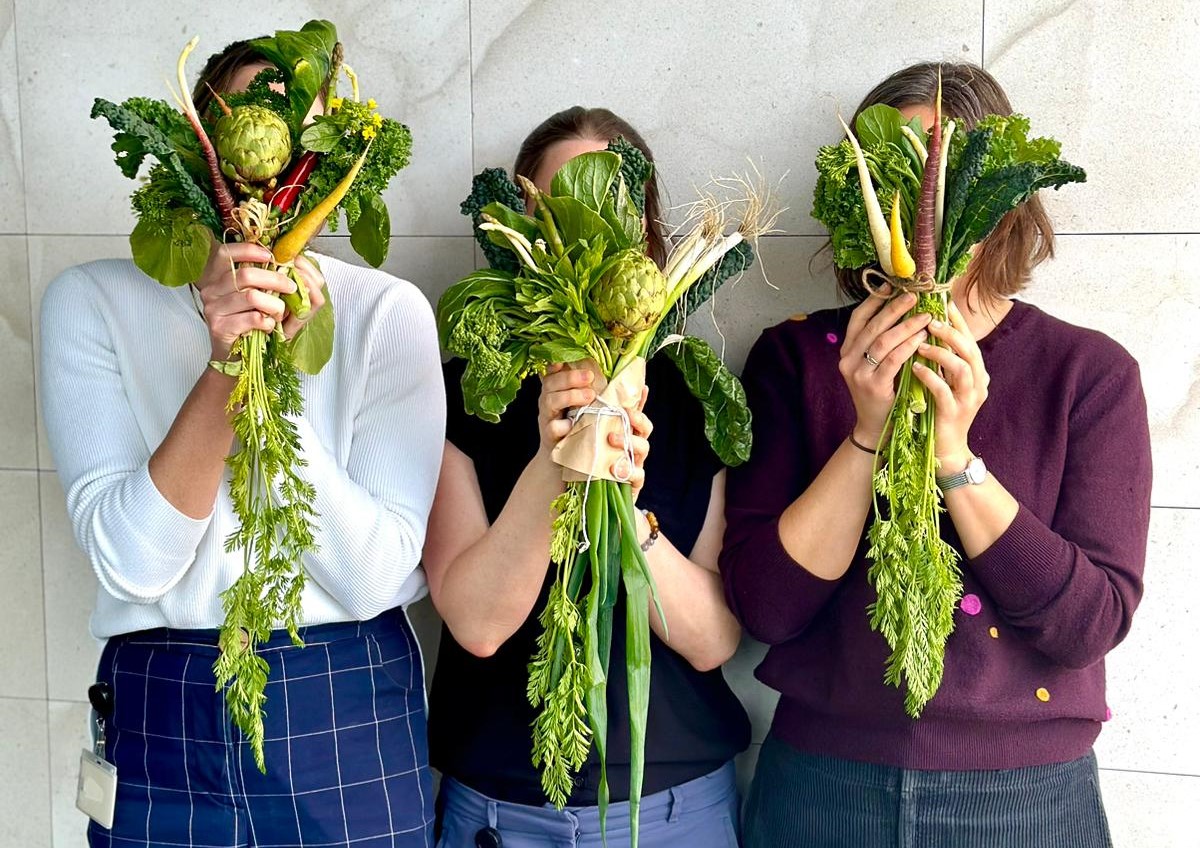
point(867, 356)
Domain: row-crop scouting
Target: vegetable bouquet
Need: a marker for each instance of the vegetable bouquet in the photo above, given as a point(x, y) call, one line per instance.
point(571, 283)
point(252, 168)
point(948, 190)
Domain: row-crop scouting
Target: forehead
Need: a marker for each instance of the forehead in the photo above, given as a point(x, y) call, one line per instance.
point(242, 76)
point(561, 152)
point(918, 110)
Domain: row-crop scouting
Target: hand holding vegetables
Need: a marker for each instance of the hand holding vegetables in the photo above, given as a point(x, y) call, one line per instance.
point(571, 282)
point(948, 190)
point(254, 170)
point(958, 391)
point(884, 329)
point(238, 297)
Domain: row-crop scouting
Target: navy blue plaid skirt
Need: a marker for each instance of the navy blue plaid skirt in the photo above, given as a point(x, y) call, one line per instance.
point(346, 753)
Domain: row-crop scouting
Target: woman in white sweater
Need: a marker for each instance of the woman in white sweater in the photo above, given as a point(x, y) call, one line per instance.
point(138, 428)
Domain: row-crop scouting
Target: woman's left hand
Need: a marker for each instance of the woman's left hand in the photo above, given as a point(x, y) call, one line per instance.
point(639, 444)
point(958, 392)
point(312, 279)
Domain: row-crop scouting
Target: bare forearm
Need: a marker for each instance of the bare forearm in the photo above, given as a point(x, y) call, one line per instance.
point(490, 588)
point(187, 467)
point(822, 528)
point(980, 513)
point(699, 625)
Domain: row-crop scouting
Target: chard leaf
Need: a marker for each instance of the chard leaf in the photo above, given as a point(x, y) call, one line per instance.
point(173, 252)
point(578, 222)
point(323, 135)
point(558, 351)
point(304, 57)
point(880, 124)
point(512, 219)
point(587, 178)
point(370, 231)
point(726, 414)
point(313, 344)
point(619, 212)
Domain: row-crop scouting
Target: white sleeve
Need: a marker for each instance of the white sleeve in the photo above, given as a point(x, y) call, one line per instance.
point(139, 544)
point(372, 515)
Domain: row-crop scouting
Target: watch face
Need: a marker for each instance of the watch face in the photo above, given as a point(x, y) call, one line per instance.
point(976, 471)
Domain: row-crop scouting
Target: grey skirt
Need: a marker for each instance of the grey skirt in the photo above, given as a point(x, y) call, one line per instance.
point(803, 801)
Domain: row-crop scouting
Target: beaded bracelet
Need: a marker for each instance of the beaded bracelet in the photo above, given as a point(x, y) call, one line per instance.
point(652, 520)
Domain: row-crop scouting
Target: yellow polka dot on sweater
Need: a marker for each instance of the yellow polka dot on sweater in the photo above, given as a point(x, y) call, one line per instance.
point(1043, 694)
point(993, 632)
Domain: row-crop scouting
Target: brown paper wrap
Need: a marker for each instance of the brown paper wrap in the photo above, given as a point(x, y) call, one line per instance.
point(583, 452)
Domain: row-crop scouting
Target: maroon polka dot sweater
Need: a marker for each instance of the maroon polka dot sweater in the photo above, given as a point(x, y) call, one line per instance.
point(1064, 430)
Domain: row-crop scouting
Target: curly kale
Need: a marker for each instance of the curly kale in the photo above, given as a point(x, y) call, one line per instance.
point(391, 149)
point(258, 93)
point(838, 201)
point(493, 185)
point(636, 171)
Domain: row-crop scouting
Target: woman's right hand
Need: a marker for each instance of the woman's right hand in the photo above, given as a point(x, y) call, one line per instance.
point(563, 388)
point(240, 299)
point(876, 329)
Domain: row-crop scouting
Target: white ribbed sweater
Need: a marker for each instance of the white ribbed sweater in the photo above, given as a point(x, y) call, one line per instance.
point(120, 353)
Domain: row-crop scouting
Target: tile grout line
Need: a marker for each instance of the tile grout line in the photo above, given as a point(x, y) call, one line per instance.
point(1145, 771)
point(21, 151)
point(1097, 233)
point(982, 32)
point(471, 81)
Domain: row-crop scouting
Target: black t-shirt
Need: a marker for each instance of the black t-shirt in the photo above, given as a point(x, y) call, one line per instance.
point(479, 716)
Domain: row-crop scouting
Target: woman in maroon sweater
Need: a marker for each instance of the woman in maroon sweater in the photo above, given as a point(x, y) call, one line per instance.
point(1052, 535)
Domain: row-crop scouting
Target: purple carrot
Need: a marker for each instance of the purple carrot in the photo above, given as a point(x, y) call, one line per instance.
point(923, 237)
point(221, 192)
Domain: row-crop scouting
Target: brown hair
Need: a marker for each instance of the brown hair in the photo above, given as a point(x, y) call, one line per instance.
point(220, 69)
point(602, 125)
point(1005, 259)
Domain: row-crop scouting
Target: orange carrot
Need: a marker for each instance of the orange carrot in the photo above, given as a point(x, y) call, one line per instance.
point(289, 245)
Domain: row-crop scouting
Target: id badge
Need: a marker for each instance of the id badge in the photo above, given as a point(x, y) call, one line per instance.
point(96, 794)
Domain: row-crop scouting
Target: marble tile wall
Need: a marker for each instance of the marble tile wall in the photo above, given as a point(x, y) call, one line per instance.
point(711, 85)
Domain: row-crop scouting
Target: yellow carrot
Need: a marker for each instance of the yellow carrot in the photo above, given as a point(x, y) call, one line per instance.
point(903, 265)
point(289, 245)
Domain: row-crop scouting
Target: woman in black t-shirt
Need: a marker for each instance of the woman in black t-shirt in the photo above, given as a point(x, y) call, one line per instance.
point(487, 555)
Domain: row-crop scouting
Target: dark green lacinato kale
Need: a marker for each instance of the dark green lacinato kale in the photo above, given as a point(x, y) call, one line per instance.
point(492, 185)
point(737, 260)
point(636, 171)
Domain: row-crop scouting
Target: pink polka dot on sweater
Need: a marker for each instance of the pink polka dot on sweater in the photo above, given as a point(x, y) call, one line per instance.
point(970, 604)
point(831, 338)
point(1107, 714)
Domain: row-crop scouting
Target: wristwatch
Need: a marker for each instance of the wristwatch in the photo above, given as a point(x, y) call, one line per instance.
point(974, 474)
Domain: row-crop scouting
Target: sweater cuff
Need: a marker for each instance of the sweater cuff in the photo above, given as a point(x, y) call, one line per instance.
point(1027, 566)
point(165, 530)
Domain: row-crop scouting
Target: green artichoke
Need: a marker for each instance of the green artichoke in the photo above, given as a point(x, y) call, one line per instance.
point(253, 144)
point(631, 295)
